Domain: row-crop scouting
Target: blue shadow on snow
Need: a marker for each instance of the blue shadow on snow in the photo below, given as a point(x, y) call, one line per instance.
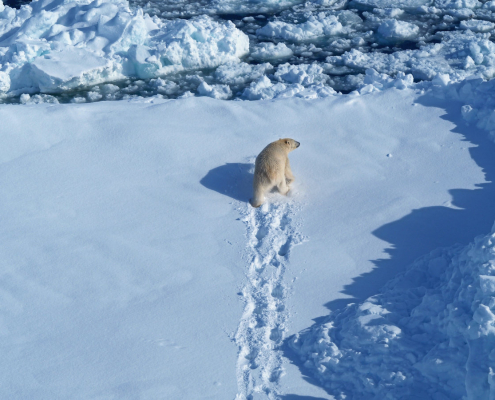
point(234, 180)
point(428, 228)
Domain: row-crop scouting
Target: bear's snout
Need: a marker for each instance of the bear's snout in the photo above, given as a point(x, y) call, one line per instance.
point(297, 144)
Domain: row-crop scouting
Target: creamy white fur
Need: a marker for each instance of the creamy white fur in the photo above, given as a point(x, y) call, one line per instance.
point(272, 169)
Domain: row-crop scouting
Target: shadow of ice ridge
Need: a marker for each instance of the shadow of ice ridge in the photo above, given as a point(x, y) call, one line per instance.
point(429, 228)
point(422, 231)
point(234, 180)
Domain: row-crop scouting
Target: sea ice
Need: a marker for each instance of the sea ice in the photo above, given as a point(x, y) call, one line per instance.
point(314, 27)
point(52, 46)
point(304, 74)
point(391, 29)
point(265, 89)
point(221, 92)
point(447, 57)
point(63, 47)
point(233, 73)
point(270, 51)
point(457, 4)
point(248, 6)
point(477, 25)
point(402, 4)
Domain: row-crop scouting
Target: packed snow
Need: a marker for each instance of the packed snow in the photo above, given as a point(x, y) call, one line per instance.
point(429, 334)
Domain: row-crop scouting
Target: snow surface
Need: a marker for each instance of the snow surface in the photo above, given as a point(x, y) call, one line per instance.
point(133, 266)
point(429, 332)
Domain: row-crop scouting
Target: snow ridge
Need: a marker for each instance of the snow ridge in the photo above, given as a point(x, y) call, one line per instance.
point(271, 235)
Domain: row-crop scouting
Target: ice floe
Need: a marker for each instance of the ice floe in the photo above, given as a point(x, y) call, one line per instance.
point(235, 74)
point(316, 26)
point(221, 92)
point(449, 57)
point(270, 51)
point(53, 46)
point(477, 25)
point(391, 29)
point(313, 28)
point(70, 48)
point(265, 89)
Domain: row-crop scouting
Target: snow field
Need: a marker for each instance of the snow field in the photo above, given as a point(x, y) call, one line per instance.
point(139, 270)
point(103, 267)
point(429, 332)
point(118, 283)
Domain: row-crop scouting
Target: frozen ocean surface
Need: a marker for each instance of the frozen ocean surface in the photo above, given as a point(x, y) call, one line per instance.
point(132, 265)
point(172, 49)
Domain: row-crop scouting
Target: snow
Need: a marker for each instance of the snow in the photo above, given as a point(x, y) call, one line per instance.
point(264, 89)
point(303, 74)
point(429, 331)
point(402, 4)
point(240, 73)
point(374, 81)
point(133, 265)
point(477, 26)
point(221, 92)
point(321, 25)
point(250, 6)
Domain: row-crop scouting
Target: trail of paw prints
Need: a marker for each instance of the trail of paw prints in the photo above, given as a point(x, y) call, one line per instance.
point(271, 234)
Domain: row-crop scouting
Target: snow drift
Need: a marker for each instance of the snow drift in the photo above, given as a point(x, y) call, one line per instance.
point(430, 333)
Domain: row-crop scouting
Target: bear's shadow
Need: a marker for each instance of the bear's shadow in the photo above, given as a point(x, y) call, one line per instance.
point(234, 180)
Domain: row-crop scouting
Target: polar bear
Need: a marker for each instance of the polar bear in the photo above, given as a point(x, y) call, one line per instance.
point(272, 169)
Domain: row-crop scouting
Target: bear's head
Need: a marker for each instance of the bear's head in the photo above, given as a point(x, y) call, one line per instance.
point(289, 144)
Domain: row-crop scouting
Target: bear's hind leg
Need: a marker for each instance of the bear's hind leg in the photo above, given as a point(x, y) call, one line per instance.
point(259, 197)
